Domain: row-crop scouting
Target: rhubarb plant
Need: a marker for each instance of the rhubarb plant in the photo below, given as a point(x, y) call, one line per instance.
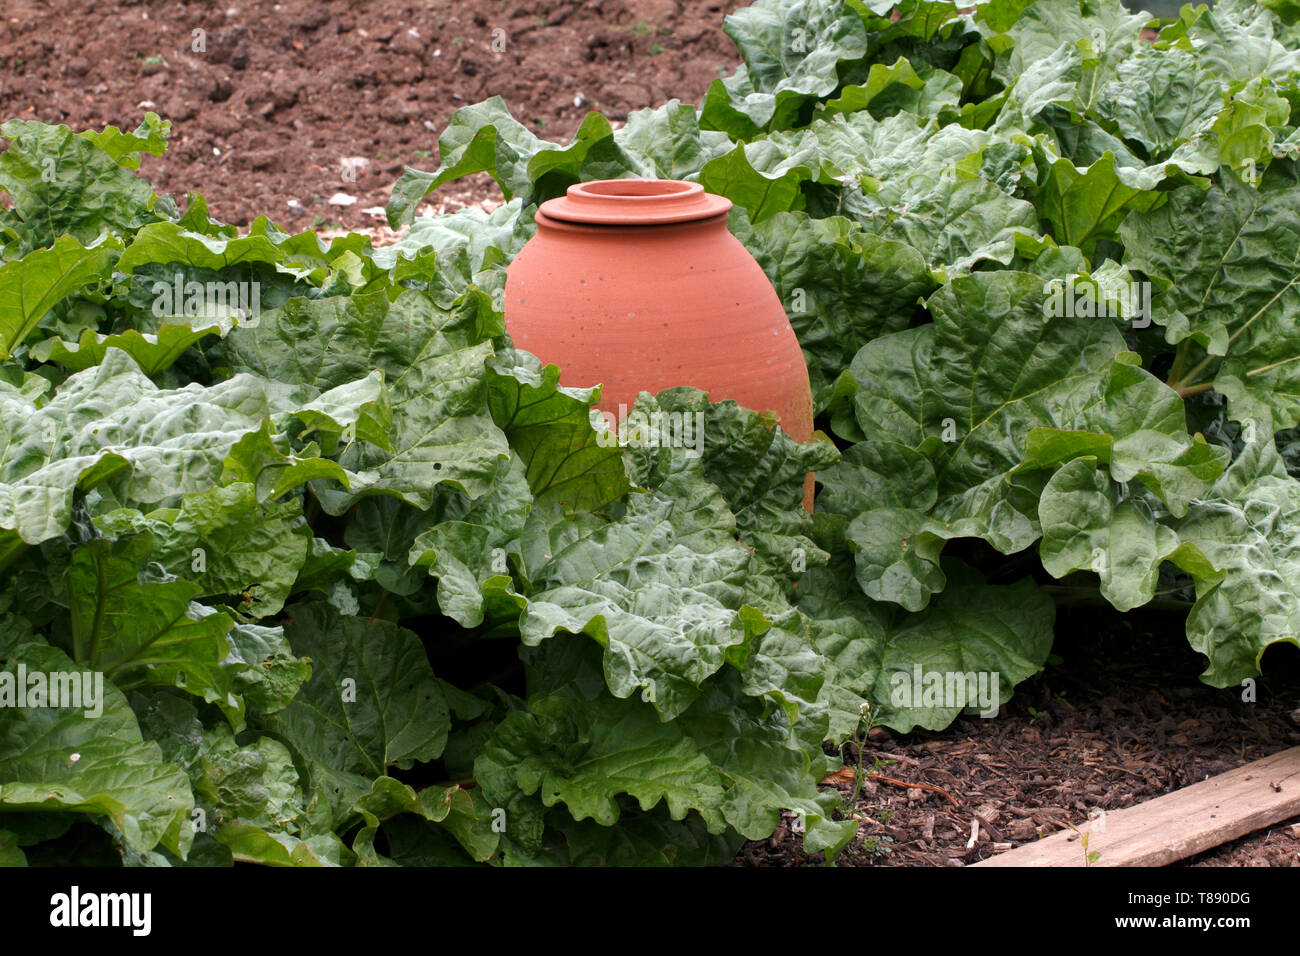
point(302, 563)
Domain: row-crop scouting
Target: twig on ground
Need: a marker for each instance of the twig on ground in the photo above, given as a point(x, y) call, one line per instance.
point(915, 786)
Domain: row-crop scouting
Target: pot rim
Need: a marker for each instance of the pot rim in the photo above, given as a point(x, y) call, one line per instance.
point(635, 202)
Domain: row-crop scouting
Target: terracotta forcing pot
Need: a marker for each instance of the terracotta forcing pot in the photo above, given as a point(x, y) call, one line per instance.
point(636, 285)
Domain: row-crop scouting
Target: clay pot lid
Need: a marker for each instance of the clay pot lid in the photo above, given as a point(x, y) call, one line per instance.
point(635, 202)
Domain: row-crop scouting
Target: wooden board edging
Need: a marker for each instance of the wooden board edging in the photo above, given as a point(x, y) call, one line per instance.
point(1176, 825)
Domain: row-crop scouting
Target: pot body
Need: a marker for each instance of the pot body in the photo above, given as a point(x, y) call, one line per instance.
point(655, 296)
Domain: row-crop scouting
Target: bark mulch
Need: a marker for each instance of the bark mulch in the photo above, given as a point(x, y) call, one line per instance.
point(1121, 719)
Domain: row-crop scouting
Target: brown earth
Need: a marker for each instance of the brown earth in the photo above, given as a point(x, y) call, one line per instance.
point(282, 93)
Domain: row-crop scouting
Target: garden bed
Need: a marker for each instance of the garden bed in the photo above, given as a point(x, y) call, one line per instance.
point(287, 101)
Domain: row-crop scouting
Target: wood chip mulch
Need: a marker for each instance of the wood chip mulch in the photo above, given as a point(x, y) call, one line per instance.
point(1120, 720)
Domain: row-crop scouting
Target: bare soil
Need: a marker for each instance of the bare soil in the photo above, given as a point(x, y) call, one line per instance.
point(281, 93)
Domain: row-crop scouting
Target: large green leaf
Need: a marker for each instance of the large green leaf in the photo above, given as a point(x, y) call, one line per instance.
point(659, 589)
point(1091, 524)
point(766, 177)
point(889, 489)
point(463, 815)
point(145, 632)
point(666, 142)
point(793, 55)
point(994, 392)
point(226, 542)
point(249, 843)
point(372, 702)
point(264, 246)
point(486, 138)
point(761, 473)
point(257, 459)
point(1246, 529)
point(484, 235)
point(154, 352)
point(1235, 41)
point(1084, 206)
point(267, 675)
point(469, 552)
point(618, 749)
point(65, 184)
point(126, 148)
point(1228, 262)
point(1039, 29)
point(897, 86)
point(1161, 98)
point(841, 285)
point(112, 422)
point(876, 650)
point(256, 783)
point(432, 364)
point(669, 141)
point(946, 191)
point(550, 428)
point(57, 759)
point(723, 760)
point(29, 287)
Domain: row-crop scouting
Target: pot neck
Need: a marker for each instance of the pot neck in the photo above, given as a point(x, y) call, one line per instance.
point(545, 222)
point(634, 202)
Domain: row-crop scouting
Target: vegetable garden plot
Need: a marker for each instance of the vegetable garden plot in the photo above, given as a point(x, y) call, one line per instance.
point(364, 584)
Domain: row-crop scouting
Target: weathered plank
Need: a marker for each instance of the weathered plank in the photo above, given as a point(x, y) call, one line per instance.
point(1179, 824)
